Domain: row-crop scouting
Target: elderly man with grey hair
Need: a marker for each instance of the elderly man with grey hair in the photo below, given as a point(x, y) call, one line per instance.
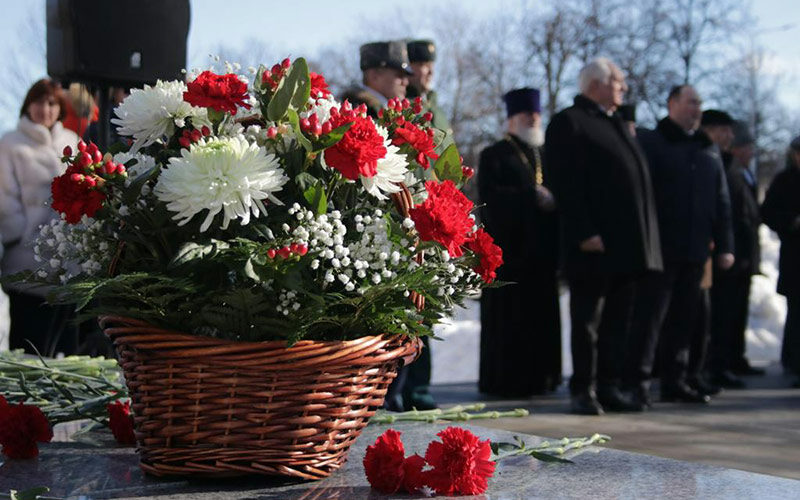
point(610, 231)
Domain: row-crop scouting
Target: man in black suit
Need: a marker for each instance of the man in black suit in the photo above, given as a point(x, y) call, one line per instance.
point(693, 212)
point(731, 292)
point(610, 231)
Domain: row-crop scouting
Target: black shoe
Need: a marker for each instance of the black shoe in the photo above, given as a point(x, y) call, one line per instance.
point(682, 393)
point(641, 396)
point(703, 387)
point(586, 403)
point(421, 402)
point(796, 384)
point(612, 399)
point(746, 369)
point(727, 380)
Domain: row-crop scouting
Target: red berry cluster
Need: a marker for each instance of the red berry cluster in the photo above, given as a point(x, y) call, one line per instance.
point(467, 172)
point(272, 76)
point(312, 126)
point(189, 137)
point(90, 160)
point(287, 251)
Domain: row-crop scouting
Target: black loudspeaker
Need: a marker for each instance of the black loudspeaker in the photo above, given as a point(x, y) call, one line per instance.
point(117, 42)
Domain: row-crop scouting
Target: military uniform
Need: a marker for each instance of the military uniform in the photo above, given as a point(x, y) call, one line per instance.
point(425, 51)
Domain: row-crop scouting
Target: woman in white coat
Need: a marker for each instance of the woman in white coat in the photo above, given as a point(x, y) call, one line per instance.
point(30, 157)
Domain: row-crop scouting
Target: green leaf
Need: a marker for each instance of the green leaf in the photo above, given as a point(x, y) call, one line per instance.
point(302, 81)
point(546, 457)
point(29, 494)
point(192, 251)
point(332, 138)
point(250, 271)
point(133, 191)
point(294, 119)
point(315, 196)
point(448, 166)
point(276, 109)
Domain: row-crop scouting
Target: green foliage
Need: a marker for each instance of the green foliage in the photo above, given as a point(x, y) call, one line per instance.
point(448, 166)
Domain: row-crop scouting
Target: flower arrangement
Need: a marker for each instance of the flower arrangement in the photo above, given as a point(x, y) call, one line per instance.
point(266, 210)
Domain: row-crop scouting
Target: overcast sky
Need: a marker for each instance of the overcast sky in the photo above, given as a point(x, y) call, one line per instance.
point(310, 24)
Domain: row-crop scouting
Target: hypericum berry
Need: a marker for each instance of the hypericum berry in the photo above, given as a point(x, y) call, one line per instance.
point(185, 142)
point(417, 109)
point(427, 116)
point(272, 132)
point(97, 156)
point(205, 130)
point(83, 160)
point(109, 167)
point(286, 63)
point(81, 146)
point(271, 253)
point(284, 252)
point(326, 128)
point(302, 250)
point(405, 103)
point(467, 172)
point(67, 151)
point(196, 135)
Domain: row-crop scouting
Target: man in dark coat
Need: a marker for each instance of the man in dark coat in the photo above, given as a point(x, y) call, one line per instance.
point(385, 71)
point(520, 322)
point(731, 292)
point(781, 212)
point(610, 231)
point(693, 212)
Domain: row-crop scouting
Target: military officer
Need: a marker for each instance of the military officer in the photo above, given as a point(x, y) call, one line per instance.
point(422, 55)
point(385, 72)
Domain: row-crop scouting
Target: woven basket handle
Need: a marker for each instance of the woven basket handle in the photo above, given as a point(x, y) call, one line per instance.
point(403, 202)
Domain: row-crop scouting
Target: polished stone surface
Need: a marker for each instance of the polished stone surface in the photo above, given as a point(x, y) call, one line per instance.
point(95, 468)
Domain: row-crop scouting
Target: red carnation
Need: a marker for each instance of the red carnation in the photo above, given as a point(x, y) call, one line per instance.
point(420, 140)
point(460, 462)
point(414, 478)
point(384, 461)
point(319, 87)
point(75, 194)
point(482, 244)
point(21, 427)
point(444, 216)
point(218, 92)
point(120, 421)
point(359, 150)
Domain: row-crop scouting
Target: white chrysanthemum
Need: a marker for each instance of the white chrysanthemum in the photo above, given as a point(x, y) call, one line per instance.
point(151, 113)
point(391, 169)
point(227, 175)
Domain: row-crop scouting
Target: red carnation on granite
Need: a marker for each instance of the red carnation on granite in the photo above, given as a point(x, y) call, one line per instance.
point(76, 193)
point(21, 427)
point(319, 87)
point(444, 216)
point(120, 421)
point(383, 462)
point(460, 463)
point(414, 478)
point(218, 92)
point(491, 255)
point(359, 150)
point(420, 140)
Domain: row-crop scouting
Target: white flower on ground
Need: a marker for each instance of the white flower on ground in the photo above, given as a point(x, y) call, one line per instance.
point(391, 169)
point(227, 175)
point(151, 113)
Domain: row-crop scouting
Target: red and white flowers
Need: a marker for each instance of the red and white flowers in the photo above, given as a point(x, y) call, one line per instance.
point(459, 464)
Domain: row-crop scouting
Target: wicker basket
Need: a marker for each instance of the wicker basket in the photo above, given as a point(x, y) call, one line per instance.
point(217, 407)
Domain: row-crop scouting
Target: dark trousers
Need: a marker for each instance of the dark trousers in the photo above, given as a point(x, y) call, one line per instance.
point(600, 311)
point(38, 326)
point(790, 350)
point(418, 380)
point(730, 302)
point(701, 336)
point(666, 308)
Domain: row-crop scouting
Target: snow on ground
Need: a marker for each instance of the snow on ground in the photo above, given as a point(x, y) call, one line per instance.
point(455, 359)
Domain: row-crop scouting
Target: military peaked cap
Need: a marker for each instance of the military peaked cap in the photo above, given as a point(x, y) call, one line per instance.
point(421, 51)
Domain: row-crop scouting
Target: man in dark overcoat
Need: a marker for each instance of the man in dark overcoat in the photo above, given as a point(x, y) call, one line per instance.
point(781, 212)
point(422, 56)
point(610, 231)
point(520, 323)
point(693, 212)
point(385, 70)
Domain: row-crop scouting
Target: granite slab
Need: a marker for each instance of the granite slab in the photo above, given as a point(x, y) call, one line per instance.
point(96, 468)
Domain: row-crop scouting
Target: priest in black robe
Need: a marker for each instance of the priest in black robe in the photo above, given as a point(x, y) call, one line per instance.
point(520, 323)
